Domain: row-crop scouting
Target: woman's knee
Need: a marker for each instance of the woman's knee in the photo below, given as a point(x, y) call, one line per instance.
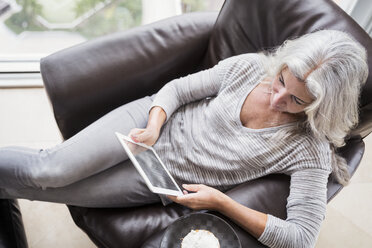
point(23, 167)
point(47, 173)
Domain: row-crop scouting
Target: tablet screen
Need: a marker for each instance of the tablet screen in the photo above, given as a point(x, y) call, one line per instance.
point(151, 166)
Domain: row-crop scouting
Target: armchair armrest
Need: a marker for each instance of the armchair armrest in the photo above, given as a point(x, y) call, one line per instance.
point(88, 80)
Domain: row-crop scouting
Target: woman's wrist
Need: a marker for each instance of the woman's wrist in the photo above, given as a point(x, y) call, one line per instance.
point(223, 203)
point(157, 118)
point(153, 127)
point(251, 220)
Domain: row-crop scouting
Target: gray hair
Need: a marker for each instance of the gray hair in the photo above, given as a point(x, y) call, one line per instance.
point(334, 68)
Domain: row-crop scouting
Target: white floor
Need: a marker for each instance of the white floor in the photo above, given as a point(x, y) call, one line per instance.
point(26, 119)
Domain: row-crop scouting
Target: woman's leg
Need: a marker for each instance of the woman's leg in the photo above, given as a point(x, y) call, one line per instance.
point(118, 186)
point(93, 150)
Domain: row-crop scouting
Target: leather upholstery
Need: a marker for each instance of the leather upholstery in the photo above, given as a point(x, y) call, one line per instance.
point(255, 25)
point(131, 227)
point(12, 233)
point(134, 226)
point(86, 81)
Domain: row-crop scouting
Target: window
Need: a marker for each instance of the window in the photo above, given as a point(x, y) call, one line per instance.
point(31, 29)
point(360, 11)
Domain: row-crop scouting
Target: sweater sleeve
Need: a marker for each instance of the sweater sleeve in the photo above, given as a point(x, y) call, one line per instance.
point(306, 207)
point(200, 85)
point(187, 89)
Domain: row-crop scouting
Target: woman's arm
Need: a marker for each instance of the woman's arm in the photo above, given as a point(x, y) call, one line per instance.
point(305, 210)
point(157, 118)
point(177, 93)
point(187, 89)
point(206, 197)
point(173, 95)
point(251, 220)
point(205, 83)
point(150, 134)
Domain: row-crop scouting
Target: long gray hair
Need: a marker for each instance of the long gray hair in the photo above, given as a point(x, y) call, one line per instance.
point(334, 68)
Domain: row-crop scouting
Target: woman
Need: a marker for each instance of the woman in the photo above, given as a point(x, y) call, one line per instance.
point(249, 116)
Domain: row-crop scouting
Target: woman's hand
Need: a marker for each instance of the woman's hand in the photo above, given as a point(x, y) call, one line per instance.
point(209, 198)
point(151, 133)
point(147, 135)
point(203, 197)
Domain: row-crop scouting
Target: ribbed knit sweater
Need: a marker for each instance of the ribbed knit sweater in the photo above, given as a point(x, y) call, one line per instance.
point(204, 141)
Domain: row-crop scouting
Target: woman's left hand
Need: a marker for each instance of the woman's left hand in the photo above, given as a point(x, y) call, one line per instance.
point(200, 197)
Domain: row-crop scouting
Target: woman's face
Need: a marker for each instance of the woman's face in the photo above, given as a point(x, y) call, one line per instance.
point(289, 94)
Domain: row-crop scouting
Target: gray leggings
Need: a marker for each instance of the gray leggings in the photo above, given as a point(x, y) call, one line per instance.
point(90, 169)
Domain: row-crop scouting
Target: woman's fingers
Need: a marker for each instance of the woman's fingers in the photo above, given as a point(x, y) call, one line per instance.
point(192, 187)
point(146, 136)
point(135, 134)
point(187, 196)
point(183, 200)
point(199, 197)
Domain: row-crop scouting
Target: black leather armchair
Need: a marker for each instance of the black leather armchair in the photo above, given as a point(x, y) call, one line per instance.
point(12, 232)
point(88, 80)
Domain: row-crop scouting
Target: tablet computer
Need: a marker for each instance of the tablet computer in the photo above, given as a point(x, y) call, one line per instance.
point(150, 167)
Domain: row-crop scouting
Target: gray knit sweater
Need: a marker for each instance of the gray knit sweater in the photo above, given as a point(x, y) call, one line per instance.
point(204, 141)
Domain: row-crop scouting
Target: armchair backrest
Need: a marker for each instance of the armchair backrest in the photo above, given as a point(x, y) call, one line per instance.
point(88, 80)
point(255, 25)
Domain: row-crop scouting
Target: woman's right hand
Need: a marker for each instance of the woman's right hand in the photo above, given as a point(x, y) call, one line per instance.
point(147, 135)
point(150, 134)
